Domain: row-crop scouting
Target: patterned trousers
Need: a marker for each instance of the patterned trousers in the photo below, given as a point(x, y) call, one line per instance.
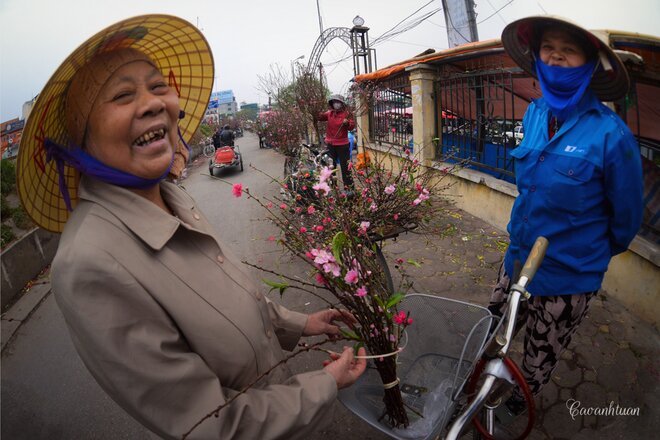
point(549, 321)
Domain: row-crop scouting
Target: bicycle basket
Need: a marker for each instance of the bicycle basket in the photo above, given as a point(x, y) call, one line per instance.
point(444, 341)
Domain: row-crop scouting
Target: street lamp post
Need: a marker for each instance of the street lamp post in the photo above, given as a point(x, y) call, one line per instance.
point(293, 73)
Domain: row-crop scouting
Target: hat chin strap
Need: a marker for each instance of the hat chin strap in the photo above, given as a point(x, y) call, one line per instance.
point(604, 61)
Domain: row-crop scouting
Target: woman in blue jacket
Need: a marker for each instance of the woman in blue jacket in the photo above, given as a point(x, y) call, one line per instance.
point(578, 173)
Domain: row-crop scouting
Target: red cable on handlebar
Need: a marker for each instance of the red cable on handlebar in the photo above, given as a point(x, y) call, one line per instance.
point(518, 377)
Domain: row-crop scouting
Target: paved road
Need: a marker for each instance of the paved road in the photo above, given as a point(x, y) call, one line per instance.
point(47, 393)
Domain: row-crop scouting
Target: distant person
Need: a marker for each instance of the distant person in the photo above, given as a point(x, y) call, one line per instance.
point(340, 122)
point(216, 139)
point(227, 137)
point(579, 180)
point(157, 307)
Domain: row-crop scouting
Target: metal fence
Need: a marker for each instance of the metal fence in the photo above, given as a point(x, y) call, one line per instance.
point(478, 120)
point(390, 113)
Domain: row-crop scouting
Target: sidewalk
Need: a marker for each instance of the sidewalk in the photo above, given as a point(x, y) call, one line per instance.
point(613, 357)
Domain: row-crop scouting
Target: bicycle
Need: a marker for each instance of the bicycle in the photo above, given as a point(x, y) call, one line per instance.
point(302, 166)
point(450, 350)
point(208, 150)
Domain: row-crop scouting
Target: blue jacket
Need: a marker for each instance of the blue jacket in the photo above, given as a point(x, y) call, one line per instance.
point(582, 190)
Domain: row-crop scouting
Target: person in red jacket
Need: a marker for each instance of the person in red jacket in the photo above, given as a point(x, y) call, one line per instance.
point(340, 123)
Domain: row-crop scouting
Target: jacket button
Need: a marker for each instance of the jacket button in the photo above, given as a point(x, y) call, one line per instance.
point(220, 259)
point(570, 172)
point(532, 188)
point(196, 216)
point(525, 219)
point(269, 333)
point(541, 159)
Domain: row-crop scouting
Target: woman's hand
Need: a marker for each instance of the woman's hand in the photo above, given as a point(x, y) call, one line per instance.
point(345, 368)
point(323, 322)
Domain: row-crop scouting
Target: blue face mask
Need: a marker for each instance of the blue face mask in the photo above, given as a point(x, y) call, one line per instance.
point(563, 87)
point(90, 166)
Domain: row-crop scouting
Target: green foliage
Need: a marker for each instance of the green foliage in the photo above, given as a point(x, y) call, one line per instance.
point(281, 287)
point(7, 235)
point(338, 242)
point(7, 176)
point(206, 129)
point(21, 219)
point(6, 209)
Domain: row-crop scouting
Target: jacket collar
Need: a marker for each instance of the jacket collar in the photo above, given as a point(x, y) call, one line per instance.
point(588, 102)
point(146, 220)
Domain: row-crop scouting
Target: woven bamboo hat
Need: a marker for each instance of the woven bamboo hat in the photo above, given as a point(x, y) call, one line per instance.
point(609, 82)
point(174, 45)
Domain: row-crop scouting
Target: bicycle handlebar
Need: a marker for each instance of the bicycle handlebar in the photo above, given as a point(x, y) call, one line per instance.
point(533, 260)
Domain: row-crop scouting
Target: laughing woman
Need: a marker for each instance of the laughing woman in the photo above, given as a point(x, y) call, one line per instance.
point(138, 266)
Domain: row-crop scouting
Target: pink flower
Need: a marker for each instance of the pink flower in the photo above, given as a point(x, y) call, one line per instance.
point(324, 174)
point(310, 210)
point(237, 189)
point(389, 189)
point(332, 267)
point(399, 261)
point(269, 205)
point(318, 228)
point(399, 318)
point(410, 321)
point(396, 216)
point(298, 210)
point(362, 291)
point(351, 276)
point(365, 225)
point(321, 256)
point(283, 206)
point(320, 279)
point(323, 187)
point(350, 166)
point(373, 207)
point(303, 229)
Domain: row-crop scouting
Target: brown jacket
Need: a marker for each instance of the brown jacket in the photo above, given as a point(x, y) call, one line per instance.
point(170, 326)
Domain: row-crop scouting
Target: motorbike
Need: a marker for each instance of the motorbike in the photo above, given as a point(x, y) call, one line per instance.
point(225, 157)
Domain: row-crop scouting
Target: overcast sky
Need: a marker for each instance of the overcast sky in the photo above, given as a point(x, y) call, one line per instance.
point(248, 36)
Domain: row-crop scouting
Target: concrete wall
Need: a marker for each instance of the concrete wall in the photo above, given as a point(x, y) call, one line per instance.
point(24, 259)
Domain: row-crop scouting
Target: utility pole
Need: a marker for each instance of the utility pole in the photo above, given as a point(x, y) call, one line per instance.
point(318, 11)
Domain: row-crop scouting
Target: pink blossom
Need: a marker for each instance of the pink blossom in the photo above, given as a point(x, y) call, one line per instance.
point(389, 189)
point(400, 318)
point(324, 174)
point(373, 207)
point(321, 256)
point(362, 291)
point(350, 166)
point(283, 206)
point(298, 210)
point(318, 228)
point(320, 279)
point(269, 205)
point(351, 276)
point(396, 216)
point(322, 186)
point(365, 225)
point(410, 321)
point(303, 229)
point(392, 338)
point(309, 255)
point(237, 189)
point(332, 267)
point(310, 210)
point(399, 261)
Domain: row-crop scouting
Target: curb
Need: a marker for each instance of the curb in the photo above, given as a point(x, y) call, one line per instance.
point(20, 311)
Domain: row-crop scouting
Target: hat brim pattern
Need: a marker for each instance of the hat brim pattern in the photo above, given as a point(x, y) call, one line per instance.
point(183, 56)
point(607, 85)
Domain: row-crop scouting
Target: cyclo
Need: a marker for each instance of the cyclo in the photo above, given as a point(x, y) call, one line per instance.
point(455, 367)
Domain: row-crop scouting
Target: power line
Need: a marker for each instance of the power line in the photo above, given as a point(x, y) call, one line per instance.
point(448, 14)
point(496, 12)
